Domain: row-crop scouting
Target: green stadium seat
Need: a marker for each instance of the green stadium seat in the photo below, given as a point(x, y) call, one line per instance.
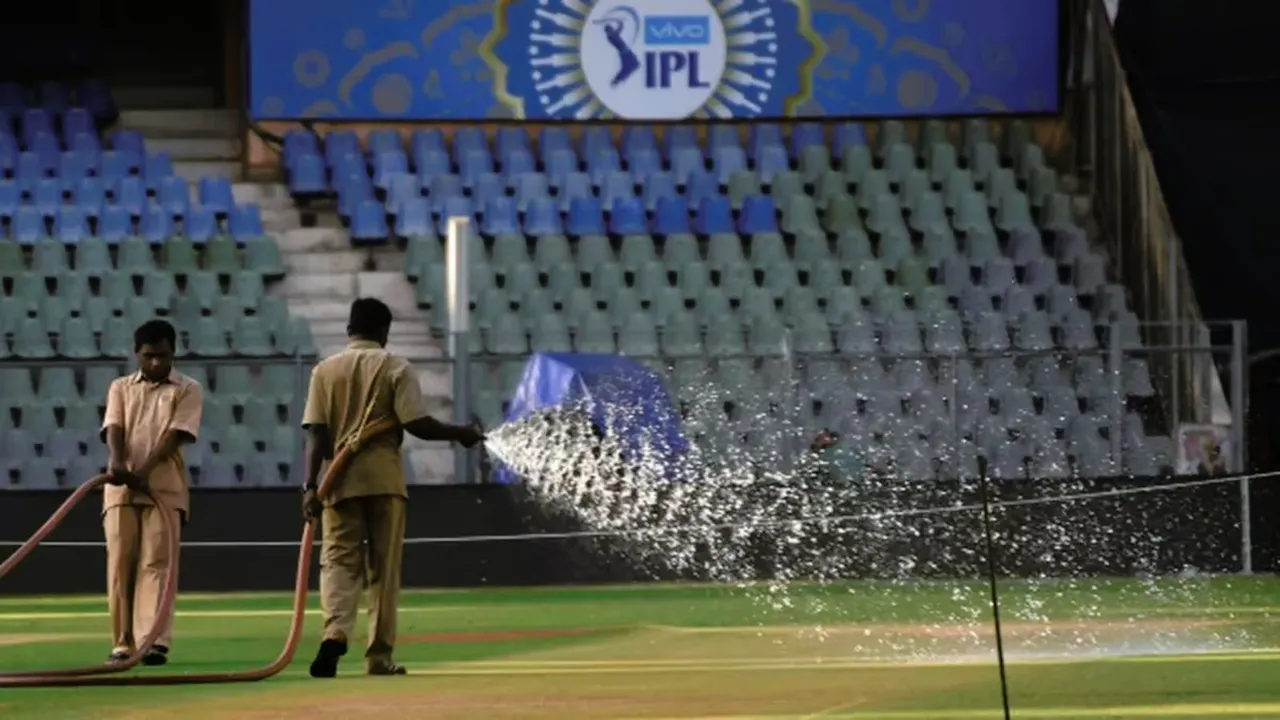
point(206, 339)
point(509, 251)
point(786, 185)
point(159, 289)
point(252, 338)
point(76, 340)
point(98, 379)
point(420, 252)
point(247, 289)
point(17, 387)
point(593, 251)
point(50, 258)
point(221, 255)
point(297, 339)
point(635, 251)
point(39, 421)
point(31, 341)
point(12, 263)
point(741, 184)
point(260, 415)
point(278, 382)
point(262, 255)
point(135, 257)
point(218, 414)
point(93, 258)
point(117, 338)
point(203, 287)
point(179, 256)
point(551, 250)
point(855, 163)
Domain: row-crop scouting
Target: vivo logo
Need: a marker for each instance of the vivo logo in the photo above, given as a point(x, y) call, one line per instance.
point(677, 30)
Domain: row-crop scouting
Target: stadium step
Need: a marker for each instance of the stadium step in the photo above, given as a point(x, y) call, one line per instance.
point(186, 148)
point(193, 170)
point(195, 123)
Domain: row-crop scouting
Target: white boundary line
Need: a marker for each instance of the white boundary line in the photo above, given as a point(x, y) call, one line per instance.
point(683, 529)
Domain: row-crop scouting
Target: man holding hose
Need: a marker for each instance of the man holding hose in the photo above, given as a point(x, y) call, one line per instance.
point(363, 514)
point(151, 414)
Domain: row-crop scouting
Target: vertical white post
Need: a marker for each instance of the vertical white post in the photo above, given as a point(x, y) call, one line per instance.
point(458, 293)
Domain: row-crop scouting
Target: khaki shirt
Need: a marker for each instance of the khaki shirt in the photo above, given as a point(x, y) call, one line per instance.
point(147, 411)
point(343, 387)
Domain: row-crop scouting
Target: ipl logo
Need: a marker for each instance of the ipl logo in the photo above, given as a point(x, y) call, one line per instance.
point(663, 63)
point(646, 59)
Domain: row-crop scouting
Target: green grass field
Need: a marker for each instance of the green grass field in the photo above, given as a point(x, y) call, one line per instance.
point(1199, 648)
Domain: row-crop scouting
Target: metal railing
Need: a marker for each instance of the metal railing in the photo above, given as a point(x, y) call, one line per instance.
point(1138, 232)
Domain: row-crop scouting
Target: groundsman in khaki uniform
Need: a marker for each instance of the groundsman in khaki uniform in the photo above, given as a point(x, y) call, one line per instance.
point(363, 516)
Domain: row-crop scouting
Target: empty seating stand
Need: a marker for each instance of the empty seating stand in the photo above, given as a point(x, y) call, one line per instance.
point(100, 235)
point(942, 299)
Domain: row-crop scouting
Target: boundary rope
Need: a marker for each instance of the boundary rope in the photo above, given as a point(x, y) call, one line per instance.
point(715, 527)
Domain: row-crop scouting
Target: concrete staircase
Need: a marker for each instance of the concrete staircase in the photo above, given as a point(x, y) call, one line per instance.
point(325, 273)
point(202, 141)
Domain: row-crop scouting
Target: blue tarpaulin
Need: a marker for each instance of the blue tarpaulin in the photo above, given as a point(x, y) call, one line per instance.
point(624, 399)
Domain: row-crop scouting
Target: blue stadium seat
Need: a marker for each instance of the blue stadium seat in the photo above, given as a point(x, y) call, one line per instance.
point(112, 167)
point(156, 225)
point(383, 141)
point(35, 121)
point(369, 223)
point(758, 215)
point(47, 197)
point(542, 218)
point(173, 196)
point(114, 225)
point(77, 121)
point(628, 217)
point(131, 194)
point(458, 206)
point(215, 194)
point(585, 217)
point(338, 143)
point(307, 174)
point(89, 196)
point(472, 164)
point(246, 223)
point(10, 198)
point(714, 216)
point(28, 225)
point(70, 225)
point(671, 216)
point(158, 167)
point(200, 225)
point(500, 217)
point(414, 219)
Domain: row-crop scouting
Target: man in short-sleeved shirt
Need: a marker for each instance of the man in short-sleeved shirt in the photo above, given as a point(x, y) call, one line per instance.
point(151, 414)
point(363, 515)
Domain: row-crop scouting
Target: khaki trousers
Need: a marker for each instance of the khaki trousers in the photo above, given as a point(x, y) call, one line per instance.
point(363, 541)
point(138, 566)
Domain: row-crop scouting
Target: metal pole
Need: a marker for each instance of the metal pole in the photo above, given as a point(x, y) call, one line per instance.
point(1115, 360)
point(458, 296)
point(1239, 457)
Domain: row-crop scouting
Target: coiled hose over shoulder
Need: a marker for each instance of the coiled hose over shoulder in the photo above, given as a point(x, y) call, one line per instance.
point(111, 673)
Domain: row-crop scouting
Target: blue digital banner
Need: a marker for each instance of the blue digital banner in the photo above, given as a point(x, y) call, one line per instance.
point(650, 59)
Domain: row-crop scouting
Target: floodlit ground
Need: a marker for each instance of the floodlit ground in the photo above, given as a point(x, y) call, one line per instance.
point(1082, 649)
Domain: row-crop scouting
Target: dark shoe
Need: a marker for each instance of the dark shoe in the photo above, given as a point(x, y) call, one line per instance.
point(326, 663)
point(156, 656)
point(388, 669)
point(118, 655)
